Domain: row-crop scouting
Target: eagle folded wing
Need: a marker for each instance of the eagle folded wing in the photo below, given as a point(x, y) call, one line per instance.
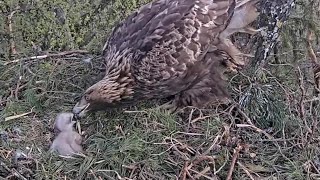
point(160, 50)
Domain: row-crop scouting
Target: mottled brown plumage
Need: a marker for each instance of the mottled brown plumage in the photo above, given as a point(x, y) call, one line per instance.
point(166, 48)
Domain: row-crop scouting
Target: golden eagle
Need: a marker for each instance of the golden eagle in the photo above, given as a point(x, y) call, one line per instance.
point(171, 48)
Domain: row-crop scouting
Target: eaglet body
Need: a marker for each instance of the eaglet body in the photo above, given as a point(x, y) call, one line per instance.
point(68, 141)
point(161, 50)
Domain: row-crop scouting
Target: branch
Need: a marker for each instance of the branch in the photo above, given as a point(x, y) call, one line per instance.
point(234, 159)
point(46, 56)
point(251, 125)
point(301, 101)
point(314, 61)
point(311, 53)
point(13, 50)
point(245, 170)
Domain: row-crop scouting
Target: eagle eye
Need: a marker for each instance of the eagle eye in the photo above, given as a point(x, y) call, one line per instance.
point(86, 97)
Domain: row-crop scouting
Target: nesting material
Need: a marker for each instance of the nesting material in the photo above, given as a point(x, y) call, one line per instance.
point(68, 141)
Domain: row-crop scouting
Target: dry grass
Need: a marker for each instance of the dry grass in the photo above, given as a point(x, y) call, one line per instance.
point(270, 132)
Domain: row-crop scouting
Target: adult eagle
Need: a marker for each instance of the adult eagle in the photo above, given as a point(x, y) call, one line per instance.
point(167, 48)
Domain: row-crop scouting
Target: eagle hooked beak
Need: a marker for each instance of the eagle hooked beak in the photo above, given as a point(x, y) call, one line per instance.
point(81, 108)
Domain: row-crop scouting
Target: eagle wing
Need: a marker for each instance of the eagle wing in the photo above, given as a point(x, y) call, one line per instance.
point(161, 14)
point(165, 41)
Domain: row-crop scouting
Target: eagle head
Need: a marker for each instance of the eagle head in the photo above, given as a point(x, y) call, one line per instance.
point(104, 94)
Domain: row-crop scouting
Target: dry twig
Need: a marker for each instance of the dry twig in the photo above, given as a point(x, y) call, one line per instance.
point(233, 162)
point(189, 164)
point(314, 61)
point(301, 102)
point(17, 116)
point(202, 174)
point(214, 143)
point(117, 174)
point(245, 170)
point(183, 174)
point(13, 50)
point(252, 125)
point(46, 56)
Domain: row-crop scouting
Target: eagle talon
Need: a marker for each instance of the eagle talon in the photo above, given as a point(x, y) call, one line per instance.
point(246, 55)
point(169, 107)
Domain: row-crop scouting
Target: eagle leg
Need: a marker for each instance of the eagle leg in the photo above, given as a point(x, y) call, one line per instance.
point(198, 98)
point(170, 106)
point(210, 90)
point(252, 31)
point(235, 54)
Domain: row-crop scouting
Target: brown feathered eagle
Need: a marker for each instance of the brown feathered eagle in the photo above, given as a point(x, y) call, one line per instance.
point(171, 48)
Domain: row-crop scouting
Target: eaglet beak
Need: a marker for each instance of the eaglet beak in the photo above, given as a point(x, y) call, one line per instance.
point(81, 108)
